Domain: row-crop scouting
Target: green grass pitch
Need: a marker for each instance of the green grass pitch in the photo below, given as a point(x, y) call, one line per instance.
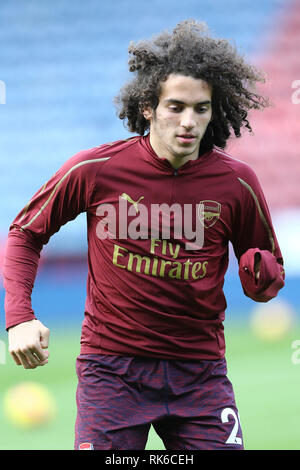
point(264, 377)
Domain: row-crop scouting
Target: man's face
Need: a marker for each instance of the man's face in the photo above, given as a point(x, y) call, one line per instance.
point(180, 119)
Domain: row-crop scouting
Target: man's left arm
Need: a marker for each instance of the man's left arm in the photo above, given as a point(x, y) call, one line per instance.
point(255, 243)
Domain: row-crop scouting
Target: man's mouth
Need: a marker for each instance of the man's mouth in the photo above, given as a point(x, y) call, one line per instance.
point(186, 138)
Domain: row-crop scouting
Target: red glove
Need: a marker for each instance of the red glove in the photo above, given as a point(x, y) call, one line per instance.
point(271, 275)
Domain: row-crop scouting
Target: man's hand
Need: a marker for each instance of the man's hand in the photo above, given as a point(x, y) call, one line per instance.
point(261, 274)
point(27, 342)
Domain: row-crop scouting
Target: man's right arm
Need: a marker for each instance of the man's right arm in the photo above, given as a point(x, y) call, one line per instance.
point(21, 259)
point(28, 337)
point(60, 200)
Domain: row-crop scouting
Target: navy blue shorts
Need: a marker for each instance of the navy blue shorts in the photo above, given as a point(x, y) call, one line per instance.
point(190, 404)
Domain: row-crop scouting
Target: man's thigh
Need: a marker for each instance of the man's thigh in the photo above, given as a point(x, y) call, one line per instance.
point(220, 431)
point(112, 413)
point(202, 408)
point(91, 433)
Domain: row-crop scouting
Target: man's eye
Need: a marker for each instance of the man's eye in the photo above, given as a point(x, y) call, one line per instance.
point(175, 109)
point(202, 109)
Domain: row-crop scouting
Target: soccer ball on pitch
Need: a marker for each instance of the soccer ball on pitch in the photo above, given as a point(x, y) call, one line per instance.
point(272, 321)
point(29, 405)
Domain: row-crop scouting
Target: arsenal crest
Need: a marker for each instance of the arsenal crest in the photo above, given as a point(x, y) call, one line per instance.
point(86, 446)
point(209, 212)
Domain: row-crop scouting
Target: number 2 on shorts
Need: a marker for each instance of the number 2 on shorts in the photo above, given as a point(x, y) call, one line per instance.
point(232, 439)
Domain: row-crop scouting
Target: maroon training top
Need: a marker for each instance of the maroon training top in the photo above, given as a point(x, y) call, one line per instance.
point(149, 296)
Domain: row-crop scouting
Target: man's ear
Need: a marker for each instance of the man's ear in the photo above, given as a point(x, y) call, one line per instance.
point(147, 113)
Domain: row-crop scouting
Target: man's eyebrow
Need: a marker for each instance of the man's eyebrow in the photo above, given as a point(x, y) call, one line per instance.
point(171, 100)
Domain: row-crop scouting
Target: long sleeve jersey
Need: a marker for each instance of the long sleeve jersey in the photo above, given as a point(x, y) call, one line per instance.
point(149, 292)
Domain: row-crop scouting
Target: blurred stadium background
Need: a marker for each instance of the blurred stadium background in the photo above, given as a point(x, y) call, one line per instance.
point(62, 63)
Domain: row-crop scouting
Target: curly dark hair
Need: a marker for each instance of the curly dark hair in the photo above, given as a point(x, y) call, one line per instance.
point(190, 51)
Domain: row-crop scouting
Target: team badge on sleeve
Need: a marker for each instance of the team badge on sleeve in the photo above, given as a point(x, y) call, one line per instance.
point(86, 446)
point(209, 212)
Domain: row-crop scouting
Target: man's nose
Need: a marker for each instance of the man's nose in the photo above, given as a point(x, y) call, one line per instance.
point(188, 120)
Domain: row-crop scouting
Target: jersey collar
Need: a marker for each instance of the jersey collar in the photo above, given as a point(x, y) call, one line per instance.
point(164, 163)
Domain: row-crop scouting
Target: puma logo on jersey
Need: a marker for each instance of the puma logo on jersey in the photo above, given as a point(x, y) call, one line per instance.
point(131, 201)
